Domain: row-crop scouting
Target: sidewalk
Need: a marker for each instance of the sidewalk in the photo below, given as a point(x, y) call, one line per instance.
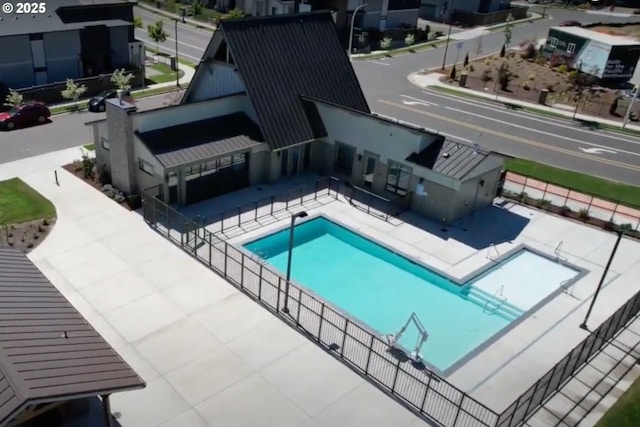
point(434, 80)
point(188, 73)
point(190, 21)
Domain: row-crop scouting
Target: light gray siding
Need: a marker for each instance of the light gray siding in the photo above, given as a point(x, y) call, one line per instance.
point(120, 46)
point(219, 80)
point(63, 55)
point(16, 64)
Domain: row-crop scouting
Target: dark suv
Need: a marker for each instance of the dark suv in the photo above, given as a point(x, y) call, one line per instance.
point(99, 103)
point(24, 115)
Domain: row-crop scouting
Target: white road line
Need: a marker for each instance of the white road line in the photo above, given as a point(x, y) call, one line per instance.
point(373, 61)
point(447, 135)
point(457, 110)
point(559, 123)
point(420, 101)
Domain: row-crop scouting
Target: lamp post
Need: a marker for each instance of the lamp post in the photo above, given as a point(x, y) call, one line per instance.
point(175, 21)
point(583, 325)
point(353, 23)
point(295, 216)
point(544, 9)
point(446, 47)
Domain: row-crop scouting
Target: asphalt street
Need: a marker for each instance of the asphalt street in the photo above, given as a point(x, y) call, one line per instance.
point(64, 131)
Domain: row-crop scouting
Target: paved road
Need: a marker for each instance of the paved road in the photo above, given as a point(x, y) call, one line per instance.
point(64, 131)
point(553, 141)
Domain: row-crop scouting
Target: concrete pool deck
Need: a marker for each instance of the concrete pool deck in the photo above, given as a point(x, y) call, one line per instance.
point(516, 360)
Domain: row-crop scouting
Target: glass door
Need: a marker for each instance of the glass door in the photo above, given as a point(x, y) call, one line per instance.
point(369, 171)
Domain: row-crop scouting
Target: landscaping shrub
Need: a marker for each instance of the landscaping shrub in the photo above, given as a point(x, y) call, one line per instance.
point(503, 51)
point(487, 62)
point(452, 73)
point(525, 85)
point(562, 68)
point(531, 76)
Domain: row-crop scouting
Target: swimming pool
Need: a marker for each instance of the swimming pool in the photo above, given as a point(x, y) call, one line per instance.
point(382, 288)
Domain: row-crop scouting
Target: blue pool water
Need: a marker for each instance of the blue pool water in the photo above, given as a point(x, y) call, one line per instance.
point(381, 289)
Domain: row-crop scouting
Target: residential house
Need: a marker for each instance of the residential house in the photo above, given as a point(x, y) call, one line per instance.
point(613, 59)
point(275, 97)
point(71, 39)
point(441, 10)
point(52, 359)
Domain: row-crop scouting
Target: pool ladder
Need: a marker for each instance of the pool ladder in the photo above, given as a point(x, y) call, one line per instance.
point(501, 299)
point(492, 248)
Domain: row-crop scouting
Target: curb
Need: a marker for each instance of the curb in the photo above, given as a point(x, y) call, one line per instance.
point(164, 13)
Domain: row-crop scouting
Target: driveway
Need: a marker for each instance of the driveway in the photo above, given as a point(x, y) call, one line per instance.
point(210, 355)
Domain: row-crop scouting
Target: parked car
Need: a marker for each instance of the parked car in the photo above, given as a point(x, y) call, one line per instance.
point(24, 115)
point(98, 102)
point(571, 24)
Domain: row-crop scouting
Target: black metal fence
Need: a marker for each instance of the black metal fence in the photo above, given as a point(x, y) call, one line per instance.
point(374, 204)
point(413, 384)
point(550, 382)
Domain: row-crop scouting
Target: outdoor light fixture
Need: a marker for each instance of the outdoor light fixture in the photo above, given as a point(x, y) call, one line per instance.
point(301, 214)
point(353, 23)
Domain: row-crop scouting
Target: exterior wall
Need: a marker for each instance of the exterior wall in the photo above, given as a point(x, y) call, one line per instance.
point(121, 140)
point(143, 179)
point(622, 62)
point(437, 205)
point(259, 163)
point(16, 63)
point(274, 167)
point(62, 50)
point(473, 196)
point(322, 155)
point(388, 140)
point(218, 80)
point(395, 18)
point(103, 155)
point(120, 46)
point(185, 113)
point(274, 7)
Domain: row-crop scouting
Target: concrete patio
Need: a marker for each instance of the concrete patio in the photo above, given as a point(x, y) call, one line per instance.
point(210, 355)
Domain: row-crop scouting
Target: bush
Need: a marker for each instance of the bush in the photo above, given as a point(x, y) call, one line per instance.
point(531, 76)
point(385, 43)
point(540, 59)
point(410, 39)
point(583, 214)
point(486, 76)
point(470, 68)
point(528, 49)
point(562, 68)
point(525, 85)
point(487, 62)
point(555, 60)
point(549, 87)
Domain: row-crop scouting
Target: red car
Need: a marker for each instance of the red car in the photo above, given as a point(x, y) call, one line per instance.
point(24, 115)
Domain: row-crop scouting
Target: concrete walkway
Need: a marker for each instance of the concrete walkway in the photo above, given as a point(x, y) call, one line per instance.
point(209, 354)
point(434, 80)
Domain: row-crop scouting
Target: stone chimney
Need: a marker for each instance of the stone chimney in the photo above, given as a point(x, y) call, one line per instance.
point(122, 157)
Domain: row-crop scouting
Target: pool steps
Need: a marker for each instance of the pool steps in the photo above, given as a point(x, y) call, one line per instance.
point(492, 303)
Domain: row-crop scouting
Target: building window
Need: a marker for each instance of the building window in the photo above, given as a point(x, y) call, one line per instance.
point(104, 142)
point(571, 48)
point(398, 178)
point(172, 179)
point(553, 42)
point(403, 4)
point(145, 166)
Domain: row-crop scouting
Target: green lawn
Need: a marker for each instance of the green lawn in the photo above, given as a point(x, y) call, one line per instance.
point(626, 411)
point(89, 147)
point(20, 203)
point(609, 190)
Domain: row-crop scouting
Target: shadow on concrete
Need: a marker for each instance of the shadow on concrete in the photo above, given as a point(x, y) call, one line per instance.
point(79, 413)
point(491, 225)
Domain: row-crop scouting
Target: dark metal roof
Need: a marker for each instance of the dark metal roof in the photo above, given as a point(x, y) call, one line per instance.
point(284, 57)
point(20, 24)
point(449, 158)
point(48, 351)
point(201, 140)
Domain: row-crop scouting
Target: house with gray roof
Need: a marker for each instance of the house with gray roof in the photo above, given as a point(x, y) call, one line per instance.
point(66, 39)
point(274, 97)
point(51, 358)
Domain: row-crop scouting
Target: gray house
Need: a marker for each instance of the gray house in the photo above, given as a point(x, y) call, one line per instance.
point(73, 39)
point(242, 123)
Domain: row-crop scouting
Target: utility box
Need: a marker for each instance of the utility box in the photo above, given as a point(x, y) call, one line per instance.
point(462, 82)
point(542, 98)
point(174, 63)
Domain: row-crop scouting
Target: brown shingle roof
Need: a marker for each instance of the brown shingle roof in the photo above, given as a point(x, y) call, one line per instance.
point(48, 351)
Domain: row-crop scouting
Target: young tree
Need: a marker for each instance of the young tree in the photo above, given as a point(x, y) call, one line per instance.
point(479, 46)
point(410, 39)
point(504, 76)
point(13, 99)
point(452, 73)
point(235, 14)
point(121, 80)
point(508, 27)
point(503, 51)
point(73, 91)
point(157, 34)
point(581, 85)
point(137, 22)
point(466, 60)
point(197, 8)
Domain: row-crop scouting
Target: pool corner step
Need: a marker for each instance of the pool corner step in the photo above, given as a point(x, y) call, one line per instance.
point(483, 299)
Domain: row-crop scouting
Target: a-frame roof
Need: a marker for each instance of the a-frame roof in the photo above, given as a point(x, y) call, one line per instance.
point(282, 58)
point(48, 351)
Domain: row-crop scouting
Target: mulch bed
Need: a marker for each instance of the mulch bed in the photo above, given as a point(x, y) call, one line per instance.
point(77, 169)
point(530, 77)
point(26, 236)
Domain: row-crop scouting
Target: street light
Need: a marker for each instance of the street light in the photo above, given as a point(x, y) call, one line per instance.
point(446, 47)
point(353, 23)
point(175, 21)
point(583, 325)
point(295, 216)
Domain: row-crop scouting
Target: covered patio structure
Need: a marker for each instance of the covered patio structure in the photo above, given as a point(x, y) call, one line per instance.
point(49, 354)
